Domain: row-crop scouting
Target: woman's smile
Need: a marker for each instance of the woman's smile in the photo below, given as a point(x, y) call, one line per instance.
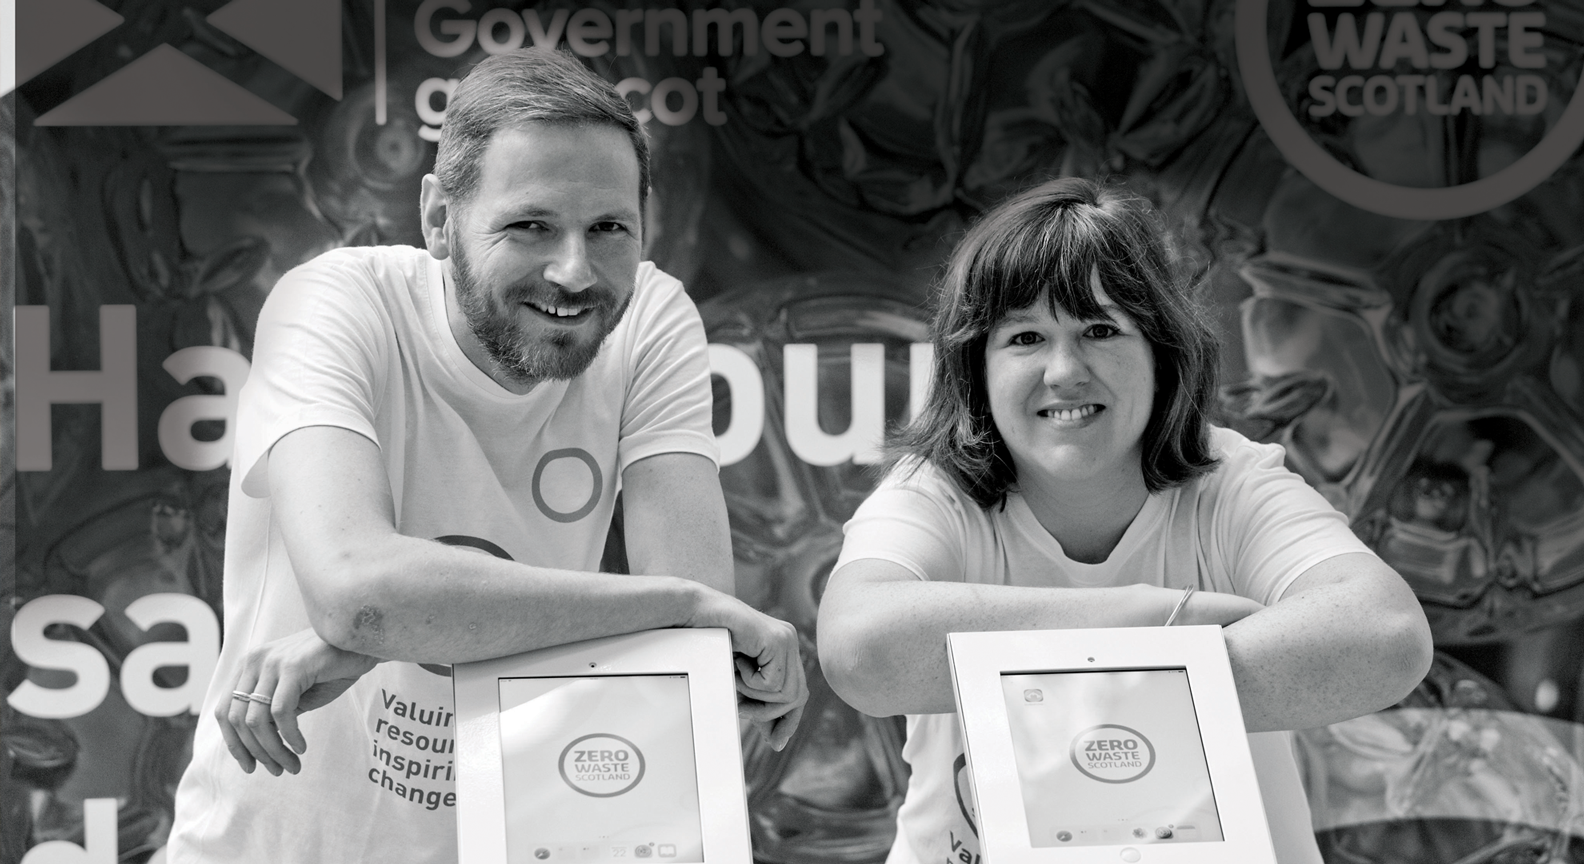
point(1071, 415)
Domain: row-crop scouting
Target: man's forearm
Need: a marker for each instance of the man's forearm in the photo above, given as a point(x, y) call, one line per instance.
point(425, 602)
point(369, 589)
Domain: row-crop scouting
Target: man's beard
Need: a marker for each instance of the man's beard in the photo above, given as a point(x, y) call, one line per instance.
point(525, 359)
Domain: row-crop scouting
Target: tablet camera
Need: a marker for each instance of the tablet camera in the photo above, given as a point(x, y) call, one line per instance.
point(1164, 832)
point(1064, 836)
point(541, 853)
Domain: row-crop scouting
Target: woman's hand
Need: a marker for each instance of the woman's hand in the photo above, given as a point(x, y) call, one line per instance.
point(285, 678)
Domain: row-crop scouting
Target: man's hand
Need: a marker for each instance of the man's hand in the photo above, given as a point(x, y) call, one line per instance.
point(295, 674)
point(770, 685)
point(694, 542)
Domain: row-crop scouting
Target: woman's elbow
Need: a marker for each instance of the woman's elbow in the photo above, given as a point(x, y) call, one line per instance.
point(844, 672)
point(1394, 633)
point(1409, 651)
point(852, 665)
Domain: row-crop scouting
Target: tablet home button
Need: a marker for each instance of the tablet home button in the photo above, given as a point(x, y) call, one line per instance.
point(1129, 854)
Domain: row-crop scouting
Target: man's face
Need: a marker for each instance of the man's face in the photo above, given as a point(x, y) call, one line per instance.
point(545, 253)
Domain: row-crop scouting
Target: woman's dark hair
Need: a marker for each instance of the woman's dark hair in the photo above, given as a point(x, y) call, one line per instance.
point(1042, 245)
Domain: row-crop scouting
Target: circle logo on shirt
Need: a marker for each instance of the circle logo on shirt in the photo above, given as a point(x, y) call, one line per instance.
point(1112, 754)
point(601, 765)
point(560, 491)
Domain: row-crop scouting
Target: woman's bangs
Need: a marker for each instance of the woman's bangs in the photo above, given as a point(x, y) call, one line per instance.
point(1070, 288)
point(1006, 277)
point(1036, 259)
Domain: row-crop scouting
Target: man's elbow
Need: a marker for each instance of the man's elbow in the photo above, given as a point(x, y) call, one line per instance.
point(346, 610)
point(360, 629)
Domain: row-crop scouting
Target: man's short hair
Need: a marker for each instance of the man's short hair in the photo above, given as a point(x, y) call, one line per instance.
point(527, 86)
point(1043, 244)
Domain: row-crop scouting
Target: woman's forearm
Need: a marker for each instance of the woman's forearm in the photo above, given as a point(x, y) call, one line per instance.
point(1348, 639)
point(882, 633)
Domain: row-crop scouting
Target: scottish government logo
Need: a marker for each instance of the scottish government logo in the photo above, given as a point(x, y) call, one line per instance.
point(1471, 64)
point(1112, 754)
point(164, 86)
point(602, 766)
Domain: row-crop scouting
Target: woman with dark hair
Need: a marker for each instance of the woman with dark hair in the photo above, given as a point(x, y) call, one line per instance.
point(1063, 475)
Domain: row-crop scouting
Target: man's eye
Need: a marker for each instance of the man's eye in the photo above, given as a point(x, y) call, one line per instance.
point(609, 227)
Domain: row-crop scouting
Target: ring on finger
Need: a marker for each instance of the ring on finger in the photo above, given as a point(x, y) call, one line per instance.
point(261, 698)
point(242, 695)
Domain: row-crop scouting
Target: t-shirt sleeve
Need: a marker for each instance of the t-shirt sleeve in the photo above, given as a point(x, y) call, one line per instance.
point(669, 407)
point(318, 356)
point(1270, 525)
point(912, 519)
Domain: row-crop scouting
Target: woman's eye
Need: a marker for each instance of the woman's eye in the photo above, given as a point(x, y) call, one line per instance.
point(1103, 331)
point(1024, 338)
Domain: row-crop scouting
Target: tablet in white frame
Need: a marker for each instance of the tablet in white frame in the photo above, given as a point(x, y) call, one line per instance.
point(612, 749)
point(1107, 745)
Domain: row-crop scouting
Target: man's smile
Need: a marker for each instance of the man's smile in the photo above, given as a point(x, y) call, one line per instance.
point(566, 313)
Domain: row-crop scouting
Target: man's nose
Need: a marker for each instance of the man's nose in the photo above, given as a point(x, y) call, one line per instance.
point(569, 266)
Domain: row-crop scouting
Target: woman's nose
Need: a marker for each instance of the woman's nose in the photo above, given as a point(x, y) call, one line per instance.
point(1065, 365)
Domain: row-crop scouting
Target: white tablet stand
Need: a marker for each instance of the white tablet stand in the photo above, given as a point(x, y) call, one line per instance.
point(608, 750)
point(1108, 745)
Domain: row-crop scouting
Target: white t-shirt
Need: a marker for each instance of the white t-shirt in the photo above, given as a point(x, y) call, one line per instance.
point(357, 338)
point(1249, 528)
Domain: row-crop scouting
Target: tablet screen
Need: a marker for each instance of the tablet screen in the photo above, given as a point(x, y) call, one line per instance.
point(1110, 758)
point(599, 769)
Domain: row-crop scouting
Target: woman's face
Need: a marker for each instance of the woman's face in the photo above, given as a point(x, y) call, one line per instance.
point(1071, 398)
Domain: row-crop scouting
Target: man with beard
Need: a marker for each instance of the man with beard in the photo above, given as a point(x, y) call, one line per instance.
point(428, 449)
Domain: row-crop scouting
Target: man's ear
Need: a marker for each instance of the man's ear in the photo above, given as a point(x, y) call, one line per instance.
point(645, 237)
point(434, 207)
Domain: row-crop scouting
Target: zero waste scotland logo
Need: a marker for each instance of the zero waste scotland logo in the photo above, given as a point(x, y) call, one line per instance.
point(1370, 46)
point(1112, 754)
point(601, 765)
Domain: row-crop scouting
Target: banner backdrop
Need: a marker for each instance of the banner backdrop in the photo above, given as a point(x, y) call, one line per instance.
point(1379, 198)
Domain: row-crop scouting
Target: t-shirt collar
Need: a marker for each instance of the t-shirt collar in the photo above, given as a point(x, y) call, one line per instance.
point(1078, 572)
